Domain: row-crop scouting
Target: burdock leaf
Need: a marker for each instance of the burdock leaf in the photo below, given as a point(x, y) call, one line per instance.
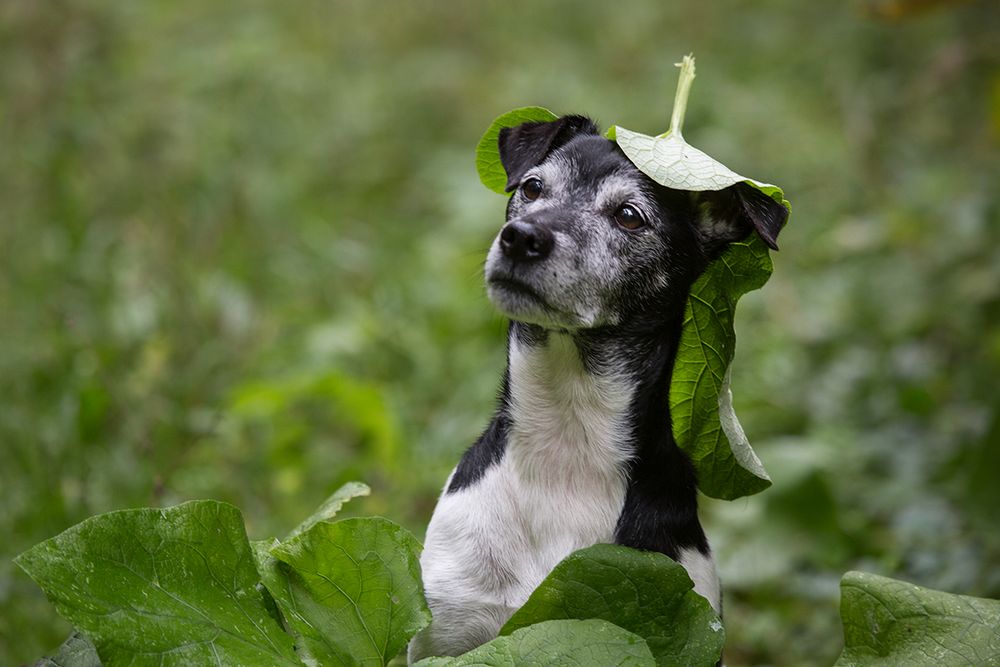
point(563, 642)
point(889, 622)
point(349, 590)
point(162, 587)
point(643, 592)
point(701, 400)
point(674, 163)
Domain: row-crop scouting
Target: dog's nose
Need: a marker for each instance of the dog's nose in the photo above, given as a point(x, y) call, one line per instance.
point(524, 242)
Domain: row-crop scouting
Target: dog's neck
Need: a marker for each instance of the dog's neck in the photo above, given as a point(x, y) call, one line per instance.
point(598, 393)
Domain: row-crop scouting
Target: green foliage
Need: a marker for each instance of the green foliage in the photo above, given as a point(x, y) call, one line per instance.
point(201, 199)
point(184, 586)
point(889, 622)
point(180, 586)
point(642, 592)
point(563, 643)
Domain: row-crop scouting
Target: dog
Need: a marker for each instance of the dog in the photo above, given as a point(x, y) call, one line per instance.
point(593, 268)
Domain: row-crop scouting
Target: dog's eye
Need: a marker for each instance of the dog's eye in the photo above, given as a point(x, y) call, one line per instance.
point(531, 189)
point(628, 216)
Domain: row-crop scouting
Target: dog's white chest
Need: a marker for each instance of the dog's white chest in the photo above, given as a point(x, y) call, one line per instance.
point(559, 487)
point(567, 449)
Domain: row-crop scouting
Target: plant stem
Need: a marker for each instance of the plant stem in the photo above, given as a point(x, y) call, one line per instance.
point(681, 98)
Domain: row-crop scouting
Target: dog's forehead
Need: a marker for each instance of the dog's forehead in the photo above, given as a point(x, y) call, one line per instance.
point(591, 163)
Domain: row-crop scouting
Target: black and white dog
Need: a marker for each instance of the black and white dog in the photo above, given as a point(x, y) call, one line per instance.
point(593, 267)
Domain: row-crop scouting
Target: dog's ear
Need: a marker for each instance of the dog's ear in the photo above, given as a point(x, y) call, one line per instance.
point(731, 214)
point(528, 144)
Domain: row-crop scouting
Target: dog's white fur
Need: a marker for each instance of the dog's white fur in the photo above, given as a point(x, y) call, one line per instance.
point(701, 568)
point(560, 487)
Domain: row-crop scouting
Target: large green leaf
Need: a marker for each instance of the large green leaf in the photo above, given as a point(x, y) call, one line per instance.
point(645, 593)
point(674, 163)
point(274, 577)
point(701, 401)
point(350, 590)
point(890, 622)
point(564, 642)
point(162, 587)
point(315, 640)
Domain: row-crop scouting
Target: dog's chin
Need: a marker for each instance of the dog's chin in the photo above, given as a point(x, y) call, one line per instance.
point(522, 302)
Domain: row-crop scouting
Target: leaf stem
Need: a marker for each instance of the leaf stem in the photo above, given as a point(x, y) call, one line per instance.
point(681, 98)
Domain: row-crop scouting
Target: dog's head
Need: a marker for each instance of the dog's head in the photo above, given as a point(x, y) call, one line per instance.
point(590, 241)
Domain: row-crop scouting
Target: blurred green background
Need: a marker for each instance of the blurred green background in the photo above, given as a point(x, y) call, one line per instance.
point(241, 248)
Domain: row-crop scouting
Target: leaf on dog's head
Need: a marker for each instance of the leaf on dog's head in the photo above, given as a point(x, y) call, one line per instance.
point(672, 162)
point(701, 400)
point(491, 171)
point(701, 407)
